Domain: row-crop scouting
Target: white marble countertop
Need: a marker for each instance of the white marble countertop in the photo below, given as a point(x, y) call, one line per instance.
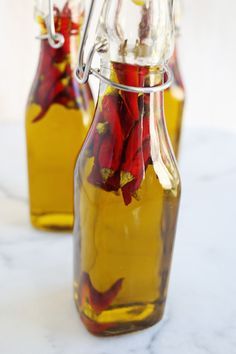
point(37, 313)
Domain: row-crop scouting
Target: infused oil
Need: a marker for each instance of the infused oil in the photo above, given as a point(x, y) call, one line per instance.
point(127, 184)
point(58, 116)
point(127, 197)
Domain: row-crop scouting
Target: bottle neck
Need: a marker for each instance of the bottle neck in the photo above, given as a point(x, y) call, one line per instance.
point(67, 54)
point(139, 32)
point(68, 22)
point(143, 111)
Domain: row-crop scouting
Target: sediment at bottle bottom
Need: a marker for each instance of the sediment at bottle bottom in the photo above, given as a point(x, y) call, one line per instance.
point(123, 319)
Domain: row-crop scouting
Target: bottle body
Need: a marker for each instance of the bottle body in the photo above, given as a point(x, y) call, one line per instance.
point(174, 105)
point(58, 117)
point(127, 192)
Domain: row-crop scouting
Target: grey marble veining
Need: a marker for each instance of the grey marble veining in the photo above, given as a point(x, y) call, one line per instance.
point(37, 314)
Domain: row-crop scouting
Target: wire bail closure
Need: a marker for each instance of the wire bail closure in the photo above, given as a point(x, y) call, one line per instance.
point(83, 71)
point(56, 40)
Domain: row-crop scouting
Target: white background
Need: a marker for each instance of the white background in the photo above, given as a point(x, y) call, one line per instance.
point(207, 56)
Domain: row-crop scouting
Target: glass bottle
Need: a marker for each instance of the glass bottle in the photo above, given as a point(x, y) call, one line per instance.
point(58, 116)
point(175, 95)
point(127, 185)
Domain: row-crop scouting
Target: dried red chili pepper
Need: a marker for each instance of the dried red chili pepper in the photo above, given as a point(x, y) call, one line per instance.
point(134, 164)
point(95, 133)
point(108, 142)
point(130, 189)
point(131, 151)
point(99, 301)
point(46, 94)
point(111, 147)
point(129, 75)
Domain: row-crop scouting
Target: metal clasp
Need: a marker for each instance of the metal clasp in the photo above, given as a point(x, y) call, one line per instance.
point(56, 40)
point(83, 70)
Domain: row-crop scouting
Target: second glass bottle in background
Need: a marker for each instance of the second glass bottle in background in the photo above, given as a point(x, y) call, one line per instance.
point(59, 113)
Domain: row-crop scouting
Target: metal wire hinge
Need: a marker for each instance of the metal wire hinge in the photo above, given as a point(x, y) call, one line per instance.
point(56, 40)
point(83, 71)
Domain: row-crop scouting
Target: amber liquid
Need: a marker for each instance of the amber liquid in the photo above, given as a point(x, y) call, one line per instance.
point(53, 144)
point(133, 243)
point(122, 252)
point(58, 117)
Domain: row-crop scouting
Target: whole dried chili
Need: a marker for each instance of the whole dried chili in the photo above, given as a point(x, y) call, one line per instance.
point(56, 83)
point(99, 301)
point(107, 144)
point(129, 75)
point(136, 160)
point(111, 148)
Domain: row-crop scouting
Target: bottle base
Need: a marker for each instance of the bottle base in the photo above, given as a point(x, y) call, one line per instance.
point(53, 222)
point(122, 320)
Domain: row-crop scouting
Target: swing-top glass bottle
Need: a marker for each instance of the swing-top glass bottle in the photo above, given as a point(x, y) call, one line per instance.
point(58, 115)
point(127, 185)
